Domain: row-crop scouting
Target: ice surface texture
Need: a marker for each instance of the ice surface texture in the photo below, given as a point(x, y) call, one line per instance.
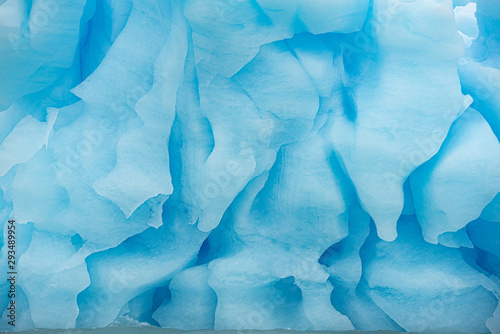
point(252, 164)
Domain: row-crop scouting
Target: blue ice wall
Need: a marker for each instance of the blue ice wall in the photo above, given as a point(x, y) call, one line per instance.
point(251, 164)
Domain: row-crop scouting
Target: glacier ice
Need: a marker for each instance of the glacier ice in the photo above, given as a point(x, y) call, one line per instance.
point(443, 207)
point(193, 301)
point(414, 283)
point(239, 164)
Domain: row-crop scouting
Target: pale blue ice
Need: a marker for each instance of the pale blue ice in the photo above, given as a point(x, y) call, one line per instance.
point(251, 164)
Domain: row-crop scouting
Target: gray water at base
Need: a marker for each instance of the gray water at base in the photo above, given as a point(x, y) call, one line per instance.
point(156, 330)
